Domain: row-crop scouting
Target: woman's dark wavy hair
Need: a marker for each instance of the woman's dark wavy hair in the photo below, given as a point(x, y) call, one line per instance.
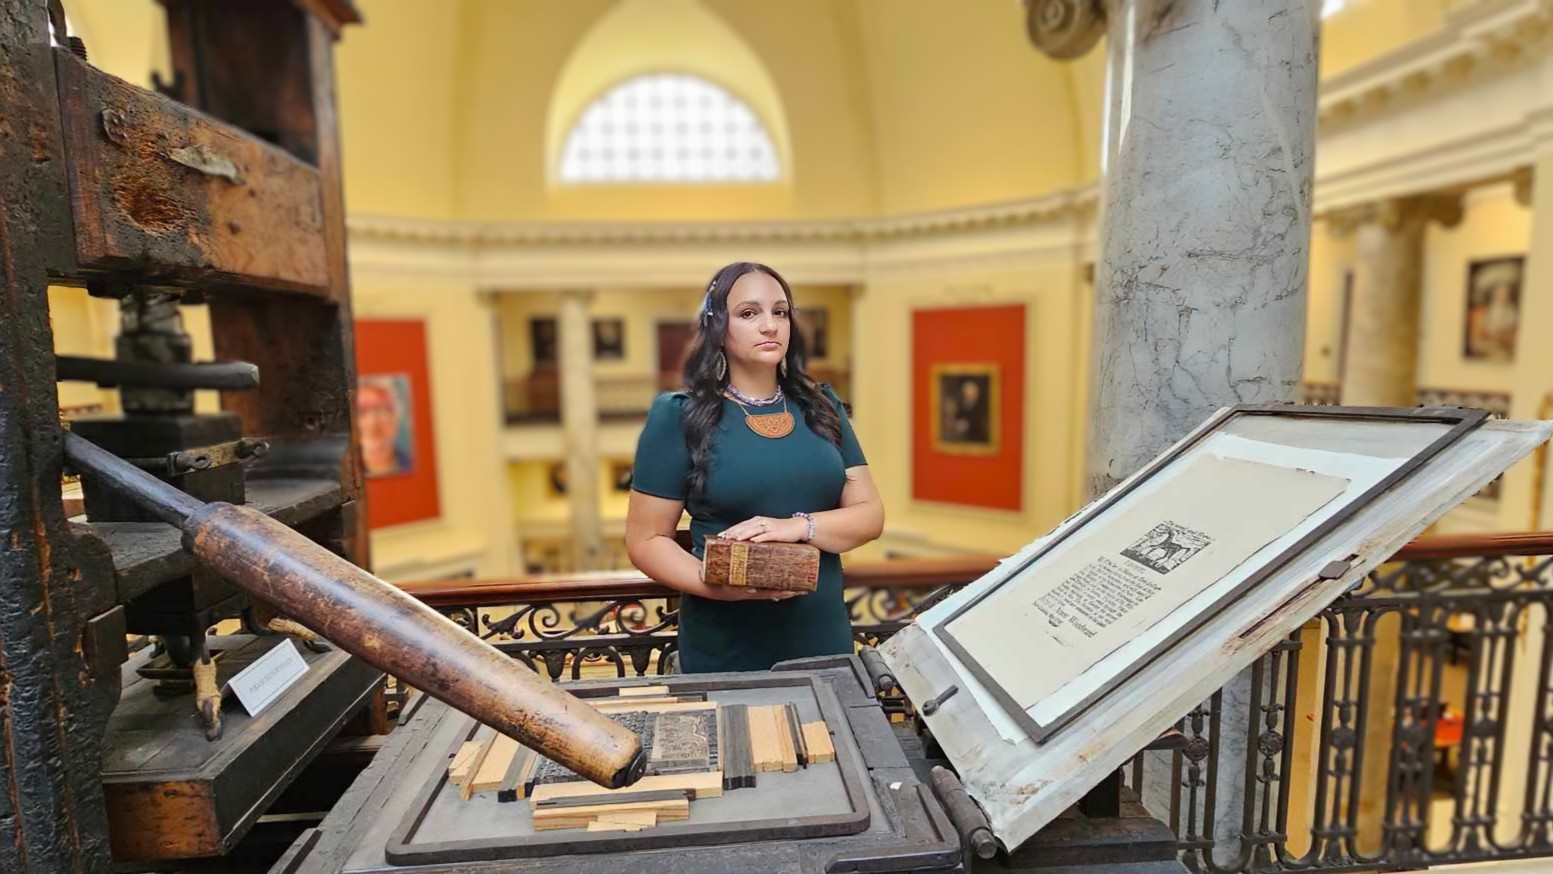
point(706, 387)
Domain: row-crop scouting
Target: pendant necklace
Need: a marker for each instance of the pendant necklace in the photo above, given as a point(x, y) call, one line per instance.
point(770, 425)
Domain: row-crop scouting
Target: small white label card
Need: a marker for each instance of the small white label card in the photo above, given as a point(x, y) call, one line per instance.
point(258, 685)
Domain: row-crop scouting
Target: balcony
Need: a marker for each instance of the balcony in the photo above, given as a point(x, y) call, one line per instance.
point(536, 398)
point(1408, 726)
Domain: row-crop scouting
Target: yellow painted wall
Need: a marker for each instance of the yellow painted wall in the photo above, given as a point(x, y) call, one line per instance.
point(965, 110)
point(536, 503)
point(887, 105)
point(84, 326)
point(396, 80)
point(1367, 29)
point(126, 39)
point(514, 55)
point(1331, 258)
point(1522, 507)
point(1087, 76)
point(1056, 337)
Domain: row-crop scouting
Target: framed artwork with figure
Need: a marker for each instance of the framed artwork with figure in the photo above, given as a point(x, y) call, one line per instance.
point(815, 325)
point(609, 339)
point(543, 337)
point(1493, 308)
point(965, 404)
point(397, 442)
point(383, 419)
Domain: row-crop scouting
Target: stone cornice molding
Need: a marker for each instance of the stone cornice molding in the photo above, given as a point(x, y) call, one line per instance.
point(1075, 203)
point(1393, 213)
point(1482, 41)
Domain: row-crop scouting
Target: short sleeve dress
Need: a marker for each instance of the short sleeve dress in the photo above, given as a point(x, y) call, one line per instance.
point(751, 475)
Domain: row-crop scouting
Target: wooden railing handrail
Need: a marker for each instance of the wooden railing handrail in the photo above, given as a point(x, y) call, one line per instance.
point(928, 573)
point(1487, 545)
point(924, 573)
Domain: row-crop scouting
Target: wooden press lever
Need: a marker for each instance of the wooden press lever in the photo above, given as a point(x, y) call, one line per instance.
point(376, 622)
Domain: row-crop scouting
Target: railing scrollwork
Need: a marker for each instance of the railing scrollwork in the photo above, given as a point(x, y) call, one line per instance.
point(1410, 725)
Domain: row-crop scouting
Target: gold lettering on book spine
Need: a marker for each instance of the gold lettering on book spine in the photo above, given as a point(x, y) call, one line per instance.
point(738, 564)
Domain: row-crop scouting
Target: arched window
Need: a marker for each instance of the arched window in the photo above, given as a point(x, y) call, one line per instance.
point(668, 127)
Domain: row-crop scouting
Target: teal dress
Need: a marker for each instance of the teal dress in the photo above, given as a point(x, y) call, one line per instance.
point(751, 475)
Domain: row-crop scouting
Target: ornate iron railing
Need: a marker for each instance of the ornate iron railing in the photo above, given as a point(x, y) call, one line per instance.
point(1410, 725)
point(626, 623)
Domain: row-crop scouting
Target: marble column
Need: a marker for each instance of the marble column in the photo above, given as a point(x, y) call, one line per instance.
point(1381, 368)
point(580, 427)
point(1200, 289)
point(1206, 219)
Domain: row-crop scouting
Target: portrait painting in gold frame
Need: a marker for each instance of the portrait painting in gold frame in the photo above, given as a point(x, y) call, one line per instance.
point(967, 408)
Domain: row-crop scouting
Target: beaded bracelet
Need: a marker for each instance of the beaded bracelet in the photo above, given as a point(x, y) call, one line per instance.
point(807, 518)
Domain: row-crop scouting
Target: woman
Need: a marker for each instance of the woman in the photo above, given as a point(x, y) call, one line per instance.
point(757, 451)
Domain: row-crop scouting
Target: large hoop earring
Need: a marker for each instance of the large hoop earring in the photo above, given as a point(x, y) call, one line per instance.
point(722, 366)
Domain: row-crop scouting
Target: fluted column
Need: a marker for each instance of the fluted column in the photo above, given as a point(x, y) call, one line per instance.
point(1381, 367)
point(579, 422)
point(1205, 231)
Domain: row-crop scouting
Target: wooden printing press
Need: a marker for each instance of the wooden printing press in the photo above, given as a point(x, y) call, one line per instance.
point(225, 189)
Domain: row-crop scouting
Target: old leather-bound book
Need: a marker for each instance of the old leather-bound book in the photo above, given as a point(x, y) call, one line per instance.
point(790, 567)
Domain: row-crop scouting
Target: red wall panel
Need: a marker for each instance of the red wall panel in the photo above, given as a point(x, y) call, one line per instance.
point(395, 348)
point(970, 338)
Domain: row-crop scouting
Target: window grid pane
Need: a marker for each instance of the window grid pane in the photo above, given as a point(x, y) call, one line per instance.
point(668, 127)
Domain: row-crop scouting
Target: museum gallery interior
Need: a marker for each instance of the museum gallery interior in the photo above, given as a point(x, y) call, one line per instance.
point(1156, 478)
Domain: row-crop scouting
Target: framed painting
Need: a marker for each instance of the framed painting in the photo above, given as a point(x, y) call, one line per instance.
point(966, 403)
point(394, 421)
point(383, 408)
point(544, 338)
point(1493, 317)
point(609, 339)
point(814, 324)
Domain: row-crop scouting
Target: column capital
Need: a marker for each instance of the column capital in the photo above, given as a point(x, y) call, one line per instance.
point(1524, 179)
point(1065, 29)
point(1395, 212)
